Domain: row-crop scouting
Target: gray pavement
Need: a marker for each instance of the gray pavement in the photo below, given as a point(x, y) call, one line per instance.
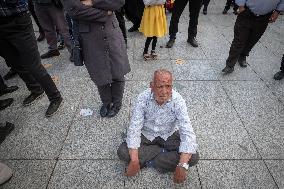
point(238, 118)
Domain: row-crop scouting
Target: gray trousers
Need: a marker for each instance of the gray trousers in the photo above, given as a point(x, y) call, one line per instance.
point(51, 19)
point(113, 92)
point(164, 153)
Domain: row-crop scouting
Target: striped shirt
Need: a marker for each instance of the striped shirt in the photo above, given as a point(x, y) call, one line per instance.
point(12, 7)
point(262, 7)
point(153, 120)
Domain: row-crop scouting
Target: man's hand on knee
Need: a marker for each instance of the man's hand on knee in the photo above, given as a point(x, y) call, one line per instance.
point(132, 169)
point(179, 175)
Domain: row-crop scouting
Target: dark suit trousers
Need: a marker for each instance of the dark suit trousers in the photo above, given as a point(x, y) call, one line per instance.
point(19, 48)
point(121, 21)
point(165, 161)
point(52, 18)
point(282, 64)
point(2, 84)
point(194, 8)
point(113, 92)
point(205, 4)
point(32, 11)
point(247, 32)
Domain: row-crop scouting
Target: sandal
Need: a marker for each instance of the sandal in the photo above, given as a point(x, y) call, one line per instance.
point(154, 55)
point(147, 56)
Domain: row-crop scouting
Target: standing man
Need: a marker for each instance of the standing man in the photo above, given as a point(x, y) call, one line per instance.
point(280, 75)
point(51, 18)
point(194, 8)
point(160, 134)
point(253, 18)
point(19, 48)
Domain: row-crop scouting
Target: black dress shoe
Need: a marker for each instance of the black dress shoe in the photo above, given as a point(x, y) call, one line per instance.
point(192, 41)
point(242, 61)
point(228, 70)
point(7, 128)
point(9, 90)
point(170, 43)
point(279, 75)
point(40, 37)
point(61, 46)
point(133, 29)
point(53, 107)
point(5, 103)
point(114, 110)
point(105, 110)
point(10, 74)
point(49, 54)
point(32, 97)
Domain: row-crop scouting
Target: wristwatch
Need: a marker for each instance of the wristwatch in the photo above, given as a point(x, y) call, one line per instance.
point(183, 165)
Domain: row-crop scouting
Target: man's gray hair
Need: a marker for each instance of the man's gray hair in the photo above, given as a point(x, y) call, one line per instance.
point(161, 72)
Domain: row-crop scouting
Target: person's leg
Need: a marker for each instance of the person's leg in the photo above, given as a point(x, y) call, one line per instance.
point(147, 44)
point(22, 42)
point(205, 6)
point(45, 19)
point(4, 89)
point(242, 31)
point(227, 6)
point(280, 75)
point(146, 152)
point(117, 89)
point(154, 55)
point(106, 98)
point(178, 8)
point(121, 21)
point(194, 9)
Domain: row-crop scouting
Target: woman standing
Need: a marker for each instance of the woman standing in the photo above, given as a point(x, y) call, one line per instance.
point(103, 49)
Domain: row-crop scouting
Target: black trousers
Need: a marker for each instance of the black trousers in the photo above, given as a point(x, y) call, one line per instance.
point(194, 9)
point(2, 84)
point(164, 153)
point(113, 92)
point(120, 18)
point(282, 64)
point(205, 4)
point(134, 11)
point(229, 3)
point(19, 48)
point(32, 11)
point(248, 30)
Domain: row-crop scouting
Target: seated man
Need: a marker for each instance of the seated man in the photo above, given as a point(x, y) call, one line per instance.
point(160, 133)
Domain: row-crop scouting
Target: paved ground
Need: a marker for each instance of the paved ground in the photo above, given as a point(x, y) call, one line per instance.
point(238, 119)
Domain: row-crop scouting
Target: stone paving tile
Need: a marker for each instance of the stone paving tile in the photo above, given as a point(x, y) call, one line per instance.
point(87, 174)
point(150, 178)
point(29, 174)
point(276, 167)
point(234, 174)
point(262, 115)
point(212, 115)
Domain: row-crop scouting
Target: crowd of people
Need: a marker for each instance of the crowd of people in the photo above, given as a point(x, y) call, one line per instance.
point(160, 134)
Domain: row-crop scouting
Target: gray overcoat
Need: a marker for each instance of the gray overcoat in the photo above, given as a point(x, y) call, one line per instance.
point(104, 49)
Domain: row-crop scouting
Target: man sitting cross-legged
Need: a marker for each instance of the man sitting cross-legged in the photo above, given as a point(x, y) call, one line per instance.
point(160, 133)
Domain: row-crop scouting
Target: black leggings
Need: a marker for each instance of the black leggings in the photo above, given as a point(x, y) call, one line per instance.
point(147, 43)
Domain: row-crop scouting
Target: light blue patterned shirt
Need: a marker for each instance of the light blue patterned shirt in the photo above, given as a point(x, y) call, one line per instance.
point(262, 7)
point(153, 120)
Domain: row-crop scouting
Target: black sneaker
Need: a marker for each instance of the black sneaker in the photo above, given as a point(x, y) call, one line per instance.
point(5, 103)
point(228, 70)
point(192, 41)
point(105, 110)
point(53, 107)
point(10, 74)
point(114, 110)
point(32, 97)
point(242, 61)
point(279, 75)
point(170, 43)
point(6, 129)
point(9, 90)
point(49, 54)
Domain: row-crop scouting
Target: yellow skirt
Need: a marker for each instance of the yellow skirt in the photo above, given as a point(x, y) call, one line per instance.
point(154, 22)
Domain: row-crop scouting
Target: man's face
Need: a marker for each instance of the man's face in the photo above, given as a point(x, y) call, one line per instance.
point(162, 88)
